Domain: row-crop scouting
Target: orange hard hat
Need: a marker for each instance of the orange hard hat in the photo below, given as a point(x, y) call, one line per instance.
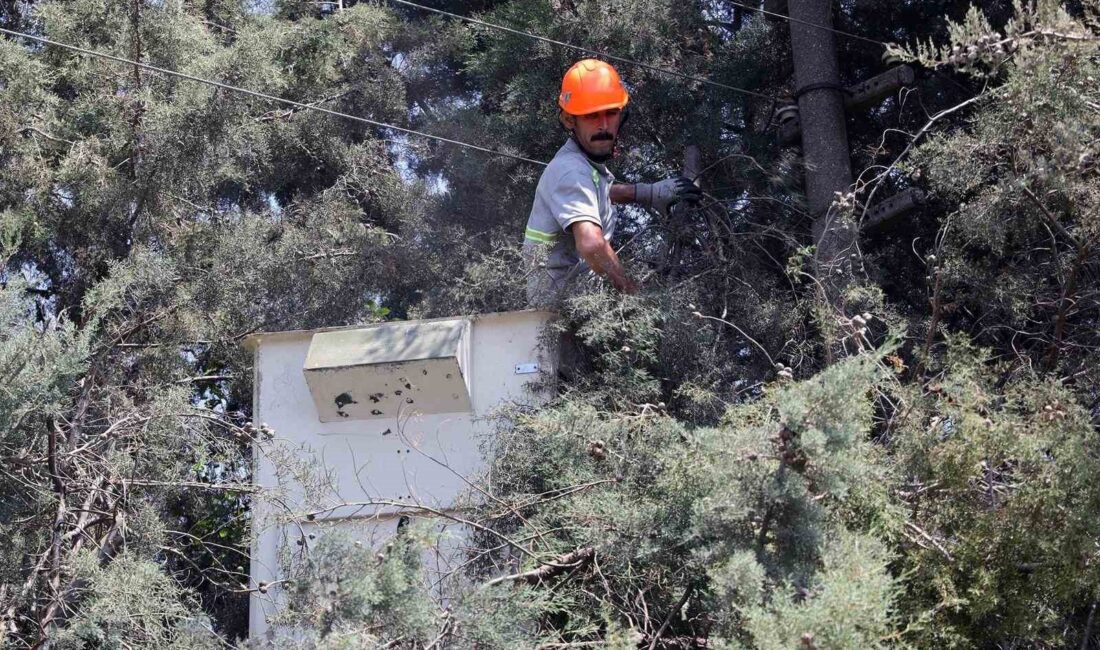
point(591, 86)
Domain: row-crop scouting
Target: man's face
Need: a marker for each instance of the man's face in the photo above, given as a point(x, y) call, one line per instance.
point(596, 132)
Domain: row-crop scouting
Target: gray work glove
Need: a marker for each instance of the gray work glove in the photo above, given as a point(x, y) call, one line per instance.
point(667, 193)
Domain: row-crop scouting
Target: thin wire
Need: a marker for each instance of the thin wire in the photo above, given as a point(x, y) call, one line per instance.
point(847, 34)
point(579, 48)
point(805, 22)
point(273, 98)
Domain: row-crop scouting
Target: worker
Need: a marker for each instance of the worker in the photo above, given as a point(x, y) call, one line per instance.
point(572, 221)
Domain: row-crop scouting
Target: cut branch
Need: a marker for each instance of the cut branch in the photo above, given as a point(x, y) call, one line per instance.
point(570, 560)
point(46, 135)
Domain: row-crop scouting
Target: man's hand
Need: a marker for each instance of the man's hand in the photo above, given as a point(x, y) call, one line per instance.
point(667, 193)
point(627, 285)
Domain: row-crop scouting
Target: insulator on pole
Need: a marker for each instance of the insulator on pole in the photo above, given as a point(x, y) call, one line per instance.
point(858, 97)
point(871, 91)
point(790, 126)
point(893, 207)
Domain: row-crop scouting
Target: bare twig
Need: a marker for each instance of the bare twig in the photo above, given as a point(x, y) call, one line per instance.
point(668, 619)
point(877, 181)
point(224, 487)
point(47, 135)
point(416, 508)
point(193, 380)
point(932, 540)
point(570, 560)
point(742, 332)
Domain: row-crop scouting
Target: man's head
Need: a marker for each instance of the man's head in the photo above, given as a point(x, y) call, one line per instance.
point(592, 100)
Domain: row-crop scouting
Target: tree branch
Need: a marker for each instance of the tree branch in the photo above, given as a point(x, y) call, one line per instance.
point(1051, 219)
point(668, 619)
point(46, 135)
point(570, 560)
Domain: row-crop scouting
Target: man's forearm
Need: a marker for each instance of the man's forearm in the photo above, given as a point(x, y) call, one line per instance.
point(604, 261)
point(622, 193)
point(601, 258)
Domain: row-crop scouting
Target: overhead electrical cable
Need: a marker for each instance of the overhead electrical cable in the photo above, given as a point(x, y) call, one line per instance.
point(581, 48)
point(808, 23)
point(272, 98)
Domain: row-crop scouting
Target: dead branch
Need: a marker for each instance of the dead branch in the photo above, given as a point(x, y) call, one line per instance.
point(570, 560)
point(47, 135)
point(936, 301)
point(668, 619)
point(194, 380)
point(939, 547)
point(1049, 216)
point(415, 508)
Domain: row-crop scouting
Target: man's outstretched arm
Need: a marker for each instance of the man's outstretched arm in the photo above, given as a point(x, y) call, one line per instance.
point(661, 195)
point(601, 258)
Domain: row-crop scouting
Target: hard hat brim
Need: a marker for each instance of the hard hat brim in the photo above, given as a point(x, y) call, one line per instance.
point(596, 109)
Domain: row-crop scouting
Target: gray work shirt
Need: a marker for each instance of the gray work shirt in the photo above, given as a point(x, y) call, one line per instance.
point(571, 189)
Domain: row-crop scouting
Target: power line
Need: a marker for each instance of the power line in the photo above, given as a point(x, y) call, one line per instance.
point(272, 98)
point(805, 22)
point(579, 48)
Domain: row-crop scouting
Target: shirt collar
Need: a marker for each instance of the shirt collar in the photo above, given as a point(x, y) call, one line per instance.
point(572, 146)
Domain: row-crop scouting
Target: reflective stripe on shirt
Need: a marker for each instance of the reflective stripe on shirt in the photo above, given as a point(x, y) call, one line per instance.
point(540, 236)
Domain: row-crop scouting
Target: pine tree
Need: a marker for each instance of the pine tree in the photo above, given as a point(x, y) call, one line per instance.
point(148, 224)
point(708, 477)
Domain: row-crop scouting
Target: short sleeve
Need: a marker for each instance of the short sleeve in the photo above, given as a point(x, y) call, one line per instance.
point(575, 199)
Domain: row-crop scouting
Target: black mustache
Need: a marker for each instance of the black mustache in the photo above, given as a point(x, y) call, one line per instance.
point(602, 136)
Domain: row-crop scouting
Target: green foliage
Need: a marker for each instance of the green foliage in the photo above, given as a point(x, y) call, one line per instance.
point(501, 618)
point(132, 603)
point(978, 49)
point(157, 222)
point(1001, 475)
point(840, 607)
point(967, 525)
point(1019, 187)
point(748, 526)
point(346, 595)
point(917, 494)
point(39, 364)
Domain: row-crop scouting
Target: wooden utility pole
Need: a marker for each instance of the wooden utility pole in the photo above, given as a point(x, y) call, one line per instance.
point(680, 236)
point(821, 108)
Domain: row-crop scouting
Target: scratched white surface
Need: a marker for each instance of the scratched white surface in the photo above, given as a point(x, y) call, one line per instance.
point(418, 458)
